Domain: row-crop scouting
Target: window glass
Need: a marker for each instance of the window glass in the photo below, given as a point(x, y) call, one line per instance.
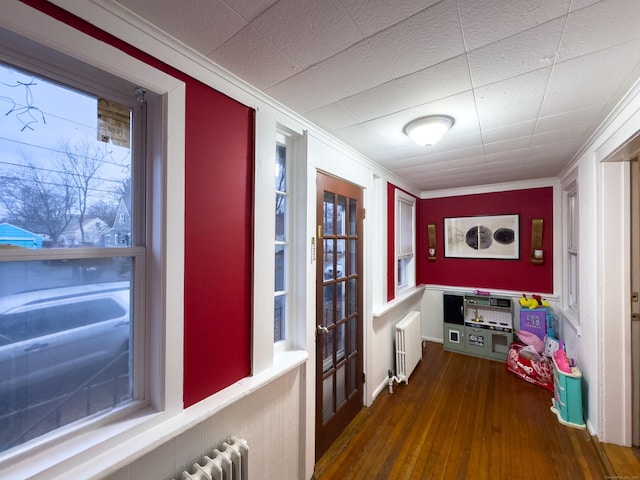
point(66, 294)
point(281, 246)
point(405, 226)
point(572, 248)
point(570, 240)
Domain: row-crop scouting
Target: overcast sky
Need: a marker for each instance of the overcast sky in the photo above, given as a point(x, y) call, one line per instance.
point(36, 116)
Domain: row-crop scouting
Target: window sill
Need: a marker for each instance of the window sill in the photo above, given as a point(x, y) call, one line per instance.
point(92, 454)
point(570, 318)
point(403, 297)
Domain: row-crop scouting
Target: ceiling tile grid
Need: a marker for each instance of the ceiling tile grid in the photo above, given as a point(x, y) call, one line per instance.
point(527, 81)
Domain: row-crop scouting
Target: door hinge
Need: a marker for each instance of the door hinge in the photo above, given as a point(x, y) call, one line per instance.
point(364, 213)
point(364, 377)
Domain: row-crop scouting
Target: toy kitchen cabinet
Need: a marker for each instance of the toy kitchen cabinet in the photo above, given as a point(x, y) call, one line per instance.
point(567, 396)
point(478, 325)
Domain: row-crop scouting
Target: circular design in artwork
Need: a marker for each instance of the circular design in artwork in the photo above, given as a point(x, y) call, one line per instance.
point(479, 237)
point(504, 236)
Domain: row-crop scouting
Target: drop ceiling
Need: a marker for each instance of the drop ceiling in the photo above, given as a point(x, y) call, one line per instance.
point(527, 81)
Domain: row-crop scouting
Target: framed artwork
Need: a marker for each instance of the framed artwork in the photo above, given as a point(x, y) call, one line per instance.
point(490, 236)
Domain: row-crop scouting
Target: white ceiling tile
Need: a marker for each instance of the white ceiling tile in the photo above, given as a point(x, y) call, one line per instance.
point(398, 156)
point(591, 79)
point(452, 159)
point(551, 151)
point(250, 9)
point(202, 24)
point(511, 130)
point(486, 21)
point(516, 156)
point(507, 145)
point(362, 139)
point(301, 93)
point(540, 169)
point(253, 59)
point(526, 88)
point(350, 71)
point(483, 172)
point(504, 117)
point(574, 133)
point(602, 25)
point(511, 101)
point(420, 41)
point(578, 4)
point(372, 16)
point(434, 162)
point(308, 31)
point(584, 116)
point(332, 117)
point(443, 80)
point(527, 51)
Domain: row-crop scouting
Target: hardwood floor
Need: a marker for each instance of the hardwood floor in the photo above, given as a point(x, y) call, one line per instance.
point(467, 418)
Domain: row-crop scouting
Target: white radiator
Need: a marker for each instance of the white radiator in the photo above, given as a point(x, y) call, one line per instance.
point(408, 345)
point(231, 462)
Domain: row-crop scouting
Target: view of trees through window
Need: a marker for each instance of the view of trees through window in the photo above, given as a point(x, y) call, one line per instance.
point(66, 296)
point(60, 181)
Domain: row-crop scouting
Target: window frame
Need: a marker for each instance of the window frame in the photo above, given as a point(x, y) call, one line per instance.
point(25, 38)
point(296, 217)
point(571, 241)
point(82, 79)
point(284, 140)
point(405, 263)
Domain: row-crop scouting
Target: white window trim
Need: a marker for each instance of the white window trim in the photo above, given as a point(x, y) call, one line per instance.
point(284, 138)
point(570, 308)
point(401, 196)
point(295, 235)
point(72, 449)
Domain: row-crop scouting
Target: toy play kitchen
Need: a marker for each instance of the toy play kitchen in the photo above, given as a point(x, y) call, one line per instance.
point(480, 325)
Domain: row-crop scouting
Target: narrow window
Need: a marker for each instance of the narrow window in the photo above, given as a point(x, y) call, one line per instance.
point(281, 241)
point(572, 247)
point(405, 240)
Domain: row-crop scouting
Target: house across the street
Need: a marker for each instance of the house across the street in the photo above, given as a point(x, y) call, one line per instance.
point(18, 237)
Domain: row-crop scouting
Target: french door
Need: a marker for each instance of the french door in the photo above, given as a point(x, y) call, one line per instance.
point(339, 336)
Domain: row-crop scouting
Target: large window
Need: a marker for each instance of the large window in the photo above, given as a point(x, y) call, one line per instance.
point(405, 241)
point(72, 250)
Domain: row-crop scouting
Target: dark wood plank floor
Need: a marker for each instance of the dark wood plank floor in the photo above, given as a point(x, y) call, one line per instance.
point(465, 418)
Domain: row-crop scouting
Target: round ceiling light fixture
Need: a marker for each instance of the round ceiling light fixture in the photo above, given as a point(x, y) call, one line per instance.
point(426, 131)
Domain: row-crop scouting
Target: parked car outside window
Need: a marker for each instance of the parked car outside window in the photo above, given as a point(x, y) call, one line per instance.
point(60, 348)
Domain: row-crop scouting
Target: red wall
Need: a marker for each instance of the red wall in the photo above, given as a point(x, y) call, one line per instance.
point(519, 275)
point(218, 226)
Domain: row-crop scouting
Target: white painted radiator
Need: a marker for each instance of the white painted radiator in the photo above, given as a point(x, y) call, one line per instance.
point(231, 462)
point(408, 345)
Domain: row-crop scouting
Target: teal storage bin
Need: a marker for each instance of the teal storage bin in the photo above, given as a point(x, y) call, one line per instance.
point(567, 396)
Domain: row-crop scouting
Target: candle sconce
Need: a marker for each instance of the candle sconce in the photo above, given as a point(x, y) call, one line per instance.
point(537, 252)
point(431, 231)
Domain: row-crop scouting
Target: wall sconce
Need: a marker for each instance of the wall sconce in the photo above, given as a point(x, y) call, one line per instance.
point(431, 231)
point(537, 253)
point(426, 131)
